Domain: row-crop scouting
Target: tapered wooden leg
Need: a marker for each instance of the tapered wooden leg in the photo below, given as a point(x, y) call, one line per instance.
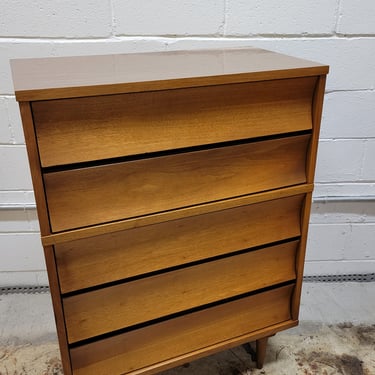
point(261, 346)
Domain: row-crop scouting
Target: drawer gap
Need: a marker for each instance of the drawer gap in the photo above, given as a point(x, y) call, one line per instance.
point(77, 198)
point(179, 314)
point(182, 266)
point(151, 155)
point(181, 208)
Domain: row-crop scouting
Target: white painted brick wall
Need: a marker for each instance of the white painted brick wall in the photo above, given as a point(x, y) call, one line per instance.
point(352, 241)
point(342, 213)
point(320, 240)
point(356, 17)
point(346, 189)
point(340, 33)
point(18, 221)
point(14, 168)
point(168, 17)
point(19, 256)
point(11, 127)
point(349, 114)
point(5, 132)
point(288, 17)
point(368, 172)
point(50, 19)
point(340, 160)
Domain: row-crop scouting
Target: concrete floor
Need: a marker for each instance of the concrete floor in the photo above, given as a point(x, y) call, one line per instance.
point(336, 336)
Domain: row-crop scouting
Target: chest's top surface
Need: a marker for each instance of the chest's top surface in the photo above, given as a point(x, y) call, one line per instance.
point(57, 77)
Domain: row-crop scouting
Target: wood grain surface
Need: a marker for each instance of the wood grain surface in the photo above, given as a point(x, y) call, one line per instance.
point(96, 260)
point(153, 297)
point(58, 309)
point(310, 172)
point(103, 127)
point(88, 196)
point(156, 218)
point(163, 341)
point(36, 79)
point(34, 162)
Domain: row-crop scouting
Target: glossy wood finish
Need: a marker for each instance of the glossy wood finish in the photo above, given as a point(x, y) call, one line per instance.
point(33, 156)
point(310, 172)
point(261, 346)
point(161, 342)
point(88, 196)
point(156, 218)
point(317, 109)
point(211, 349)
point(36, 79)
point(178, 213)
point(132, 252)
point(34, 162)
point(161, 295)
point(58, 309)
point(300, 257)
point(119, 125)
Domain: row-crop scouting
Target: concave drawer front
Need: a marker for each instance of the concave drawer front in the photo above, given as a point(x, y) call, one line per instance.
point(93, 261)
point(88, 196)
point(103, 127)
point(182, 335)
point(153, 297)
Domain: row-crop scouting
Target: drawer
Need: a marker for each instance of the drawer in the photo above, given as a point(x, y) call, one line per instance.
point(161, 295)
point(87, 196)
point(102, 127)
point(92, 261)
point(184, 335)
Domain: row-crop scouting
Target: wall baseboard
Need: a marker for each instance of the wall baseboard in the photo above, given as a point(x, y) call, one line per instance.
point(358, 278)
point(354, 277)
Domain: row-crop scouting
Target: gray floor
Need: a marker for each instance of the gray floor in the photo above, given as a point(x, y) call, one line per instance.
point(331, 314)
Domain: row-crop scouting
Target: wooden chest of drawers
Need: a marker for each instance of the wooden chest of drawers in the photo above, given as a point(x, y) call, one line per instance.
point(173, 193)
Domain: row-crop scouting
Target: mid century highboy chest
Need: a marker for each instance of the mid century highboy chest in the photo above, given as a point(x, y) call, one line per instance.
point(173, 193)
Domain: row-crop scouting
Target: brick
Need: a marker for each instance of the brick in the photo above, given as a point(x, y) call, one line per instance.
point(332, 212)
point(343, 267)
point(14, 168)
point(339, 160)
point(25, 218)
point(327, 242)
point(22, 197)
point(274, 17)
point(15, 121)
point(361, 242)
point(335, 242)
point(348, 115)
point(20, 220)
point(10, 122)
point(356, 17)
point(67, 19)
point(344, 189)
point(166, 17)
point(21, 251)
point(5, 132)
point(368, 169)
